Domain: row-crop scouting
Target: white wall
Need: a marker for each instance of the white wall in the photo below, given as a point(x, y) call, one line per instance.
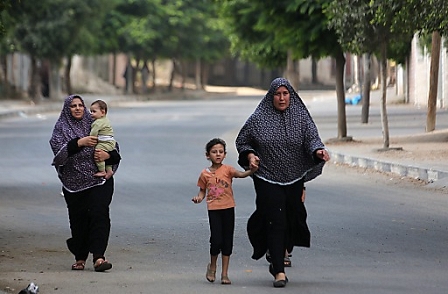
point(419, 74)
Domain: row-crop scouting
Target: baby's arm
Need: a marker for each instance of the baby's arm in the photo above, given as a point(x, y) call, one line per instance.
point(199, 197)
point(94, 129)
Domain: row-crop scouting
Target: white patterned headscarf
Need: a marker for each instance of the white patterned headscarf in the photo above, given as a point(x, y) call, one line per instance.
point(285, 141)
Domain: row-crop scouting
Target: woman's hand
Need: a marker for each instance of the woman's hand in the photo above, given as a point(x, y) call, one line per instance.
point(323, 154)
point(88, 141)
point(100, 155)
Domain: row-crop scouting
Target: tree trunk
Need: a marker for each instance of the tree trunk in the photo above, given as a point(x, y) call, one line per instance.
point(314, 78)
point(384, 121)
point(183, 72)
point(68, 81)
point(34, 90)
point(128, 75)
point(7, 92)
point(433, 82)
point(291, 72)
point(340, 94)
point(173, 72)
point(55, 81)
point(134, 75)
point(198, 74)
point(145, 76)
point(204, 75)
point(114, 69)
point(153, 65)
point(366, 90)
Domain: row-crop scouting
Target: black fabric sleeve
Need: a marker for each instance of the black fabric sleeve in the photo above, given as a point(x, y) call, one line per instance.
point(72, 147)
point(114, 158)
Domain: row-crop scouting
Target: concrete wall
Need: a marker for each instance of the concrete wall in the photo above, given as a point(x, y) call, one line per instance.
point(419, 74)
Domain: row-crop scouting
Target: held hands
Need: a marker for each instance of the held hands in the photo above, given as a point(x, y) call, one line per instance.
point(254, 161)
point(253, 168)
point(323, 154)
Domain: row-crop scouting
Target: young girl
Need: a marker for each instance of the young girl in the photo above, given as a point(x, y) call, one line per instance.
point(215, 183)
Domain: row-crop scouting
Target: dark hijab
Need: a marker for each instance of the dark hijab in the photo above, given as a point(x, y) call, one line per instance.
point(75, 169)
point(285, 141)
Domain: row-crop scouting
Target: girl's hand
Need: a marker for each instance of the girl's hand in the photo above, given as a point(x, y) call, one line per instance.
point(254, 168)
point(88, 141)
point(197, 199)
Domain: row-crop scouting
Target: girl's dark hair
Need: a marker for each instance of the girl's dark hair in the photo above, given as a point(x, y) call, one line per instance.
point(102, 105)
point(213, 142)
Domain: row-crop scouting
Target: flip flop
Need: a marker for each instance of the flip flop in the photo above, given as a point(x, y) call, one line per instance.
point(209, 274)
point(225, 280)
point(102, 265)
point(79, 265)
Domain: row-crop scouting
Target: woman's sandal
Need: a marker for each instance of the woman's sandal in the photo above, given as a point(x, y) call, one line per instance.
point(102, 265)
point(225, 280)
point(210, 275)
point(79, 265)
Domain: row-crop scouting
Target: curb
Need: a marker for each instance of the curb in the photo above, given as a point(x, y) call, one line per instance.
point(33, 110)
point(426, 174)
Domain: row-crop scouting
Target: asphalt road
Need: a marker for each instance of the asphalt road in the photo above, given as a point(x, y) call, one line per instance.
point(371, 233)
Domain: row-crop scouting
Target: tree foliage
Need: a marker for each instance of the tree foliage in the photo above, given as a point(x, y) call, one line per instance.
point(265, 31)
point(431, 15)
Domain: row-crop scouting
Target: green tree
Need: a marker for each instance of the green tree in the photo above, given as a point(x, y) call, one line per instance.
point(90, 37)
point(183, 31)
point(194, 36)
point(4, 5)
point(249, 40)
point(432, 20)
point(7, 45)
point(367, 26)
point(49, 30)
point(280, 29)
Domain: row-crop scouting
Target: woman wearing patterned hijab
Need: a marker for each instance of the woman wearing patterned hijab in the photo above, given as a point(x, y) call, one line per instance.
point(280, 137)
point(87, 197)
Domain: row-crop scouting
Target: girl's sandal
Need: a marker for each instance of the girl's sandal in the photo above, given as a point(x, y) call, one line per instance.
point(209, 274)
point(102, 265)
point(225, 280)
point(79, 265)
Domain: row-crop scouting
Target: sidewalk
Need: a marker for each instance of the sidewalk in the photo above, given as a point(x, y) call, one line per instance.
point(414, 153)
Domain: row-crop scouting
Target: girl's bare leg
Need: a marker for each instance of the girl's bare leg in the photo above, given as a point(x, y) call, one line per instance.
point(225, 270)
point(210, 274)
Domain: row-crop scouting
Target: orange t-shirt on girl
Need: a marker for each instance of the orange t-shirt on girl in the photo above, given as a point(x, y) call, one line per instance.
point(218, 186)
